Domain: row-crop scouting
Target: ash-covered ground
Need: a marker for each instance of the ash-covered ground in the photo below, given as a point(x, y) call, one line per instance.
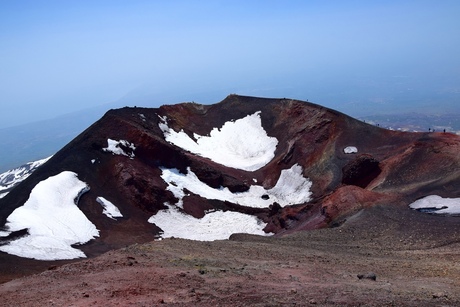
point(413, 257)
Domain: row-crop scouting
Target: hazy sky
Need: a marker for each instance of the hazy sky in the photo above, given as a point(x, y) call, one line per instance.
point(356, 56)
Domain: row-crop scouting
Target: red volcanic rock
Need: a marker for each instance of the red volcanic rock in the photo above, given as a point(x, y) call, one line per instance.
point(390, 166)
point(196, 206)
point(349, 199)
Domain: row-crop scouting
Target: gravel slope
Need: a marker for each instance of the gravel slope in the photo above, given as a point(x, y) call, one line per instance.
point(414, 256)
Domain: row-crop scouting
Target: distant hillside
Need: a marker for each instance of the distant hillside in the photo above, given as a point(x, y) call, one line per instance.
point(417, 122)
point(42, 139)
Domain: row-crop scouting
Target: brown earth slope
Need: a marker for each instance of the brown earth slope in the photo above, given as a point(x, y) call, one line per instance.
point(413, 265)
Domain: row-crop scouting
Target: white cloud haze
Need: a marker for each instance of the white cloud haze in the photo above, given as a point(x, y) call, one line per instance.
point(58, 57)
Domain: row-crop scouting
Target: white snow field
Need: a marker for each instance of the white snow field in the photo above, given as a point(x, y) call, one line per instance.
point(291, 188)
point(53, 220)
point(217, 225)
point(241, 144)
point(12, 177)
point(350, 150)
point(440, 204)
point(114, 147)
point(110, 210)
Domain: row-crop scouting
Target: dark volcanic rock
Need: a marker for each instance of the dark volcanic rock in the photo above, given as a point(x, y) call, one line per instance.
point(392, 166)
point(361, 171)
point(370, 276)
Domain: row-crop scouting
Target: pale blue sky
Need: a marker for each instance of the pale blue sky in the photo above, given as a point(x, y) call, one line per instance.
point(360, 57)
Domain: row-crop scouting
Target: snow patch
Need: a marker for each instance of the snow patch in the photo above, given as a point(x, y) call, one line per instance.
point(115, 147)
point(241, 144)
point(13, 177)
point(437, 204)
point(292, 188)
point(217, 225)
point(53, 220)
point(110, 210)
point(350, 150)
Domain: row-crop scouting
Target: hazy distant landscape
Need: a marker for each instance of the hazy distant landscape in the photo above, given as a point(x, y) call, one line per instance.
point(417, 122)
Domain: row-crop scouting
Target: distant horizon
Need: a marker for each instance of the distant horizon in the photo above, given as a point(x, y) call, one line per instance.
point(429, 110)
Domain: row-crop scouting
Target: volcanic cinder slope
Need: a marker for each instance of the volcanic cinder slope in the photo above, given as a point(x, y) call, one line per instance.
point(312, 167)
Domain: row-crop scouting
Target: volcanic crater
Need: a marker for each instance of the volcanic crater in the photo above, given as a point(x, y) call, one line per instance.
point(289, 166)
